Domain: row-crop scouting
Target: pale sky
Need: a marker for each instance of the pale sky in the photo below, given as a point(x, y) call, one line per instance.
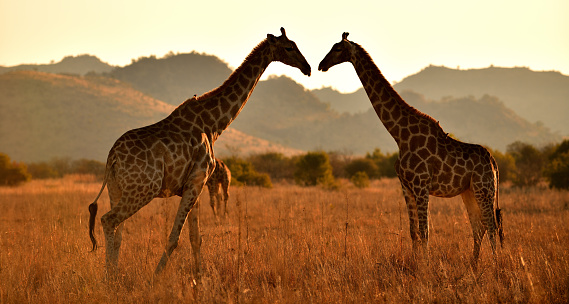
point(403, 37)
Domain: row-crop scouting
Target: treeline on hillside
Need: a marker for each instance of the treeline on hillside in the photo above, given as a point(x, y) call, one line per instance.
point(522, 164)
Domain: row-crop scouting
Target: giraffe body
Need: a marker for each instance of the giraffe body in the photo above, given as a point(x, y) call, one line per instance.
point(175, 155)
point(430, 162)
point(218, 187)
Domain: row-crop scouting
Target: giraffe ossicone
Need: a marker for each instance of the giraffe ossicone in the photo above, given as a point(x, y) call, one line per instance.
point(430, 162)
point(175, 155)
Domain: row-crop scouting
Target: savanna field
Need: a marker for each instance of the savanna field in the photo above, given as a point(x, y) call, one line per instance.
point(288, 244)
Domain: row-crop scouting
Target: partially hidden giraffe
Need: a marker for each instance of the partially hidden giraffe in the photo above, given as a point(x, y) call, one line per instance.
point(175, 155)
point(218, 187)
point(430, 162)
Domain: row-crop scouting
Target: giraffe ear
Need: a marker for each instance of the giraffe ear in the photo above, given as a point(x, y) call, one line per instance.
point(345, 35)
point(272, 39)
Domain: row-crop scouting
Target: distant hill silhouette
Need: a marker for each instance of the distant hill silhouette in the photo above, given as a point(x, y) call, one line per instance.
point(79, 65)
point(45, 115)
point(535, 96)
point(49, 115)
point(355, 102)
point(484, 120)
point(174, 78)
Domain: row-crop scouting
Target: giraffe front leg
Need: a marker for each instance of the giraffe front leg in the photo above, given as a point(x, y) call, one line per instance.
point(186, 204)
point(413, 218)
point(195, 239)
point(423, 214)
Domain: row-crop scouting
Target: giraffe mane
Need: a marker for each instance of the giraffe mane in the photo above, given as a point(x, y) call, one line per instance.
point(391, 91)
point(235, 73)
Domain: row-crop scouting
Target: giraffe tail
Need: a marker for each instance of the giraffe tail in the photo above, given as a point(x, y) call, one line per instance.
point(498, 211)
point(93, 207)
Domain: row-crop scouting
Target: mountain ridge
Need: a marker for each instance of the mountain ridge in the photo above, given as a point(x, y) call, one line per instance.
point(280, 111)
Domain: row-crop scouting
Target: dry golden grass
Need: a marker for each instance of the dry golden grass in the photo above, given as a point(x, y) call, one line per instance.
point(287, 245)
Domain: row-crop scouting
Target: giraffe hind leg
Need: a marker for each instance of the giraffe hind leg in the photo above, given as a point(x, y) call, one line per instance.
point(112, 223)
point(475, 217)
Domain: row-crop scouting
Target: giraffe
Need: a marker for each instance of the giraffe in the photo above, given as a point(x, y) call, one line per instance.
point(221, 176)
point(175, 155)
point(430, 162)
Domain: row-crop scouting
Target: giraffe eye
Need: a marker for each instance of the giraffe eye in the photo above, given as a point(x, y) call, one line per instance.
point(337, 50)
point(289, 49)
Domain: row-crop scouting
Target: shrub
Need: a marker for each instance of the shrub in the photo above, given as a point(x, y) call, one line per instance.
point(362, 165)
point(276, 165)
point(243, 173)
point(42, 170)
point(88, 166)
point(360, 180)
point(314, 169)
point(12, 173)
point(557, 170)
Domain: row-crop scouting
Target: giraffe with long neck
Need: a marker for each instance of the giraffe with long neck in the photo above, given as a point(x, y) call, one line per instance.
point(430, 162)
point(175, 155)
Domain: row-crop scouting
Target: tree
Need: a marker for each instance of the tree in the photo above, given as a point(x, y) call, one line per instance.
point(557, 171)
point(529, 162)
point(313, 169)
point(12, 173)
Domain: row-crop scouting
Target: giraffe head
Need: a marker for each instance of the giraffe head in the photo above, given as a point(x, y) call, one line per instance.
point(286, 51)
point(340, 52)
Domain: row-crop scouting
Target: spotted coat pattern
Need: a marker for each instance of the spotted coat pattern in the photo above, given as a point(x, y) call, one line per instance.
point(430, 161)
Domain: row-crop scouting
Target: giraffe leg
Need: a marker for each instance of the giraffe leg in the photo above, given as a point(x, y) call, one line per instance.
point(423, 214)
point(187, 203)
point(478, 229)
point(218, 198)
point(487, 209)
point(225, 199)
point(413, 217)
point(213, 189)
point(195, 239)
point(484, 194)
point(112, 223)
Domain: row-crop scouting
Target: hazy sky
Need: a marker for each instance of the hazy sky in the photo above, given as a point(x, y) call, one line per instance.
point(402, 36)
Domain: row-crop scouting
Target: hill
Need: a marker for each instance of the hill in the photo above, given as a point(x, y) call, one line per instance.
point(48, 115)
point(79, 65)
point(485, 120)
point(174, 78)
point(535, 96)
point(280, 113)
point(355, 102)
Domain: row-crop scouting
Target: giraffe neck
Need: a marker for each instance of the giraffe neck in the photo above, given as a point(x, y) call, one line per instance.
point(391, 109)
point(219, 107)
